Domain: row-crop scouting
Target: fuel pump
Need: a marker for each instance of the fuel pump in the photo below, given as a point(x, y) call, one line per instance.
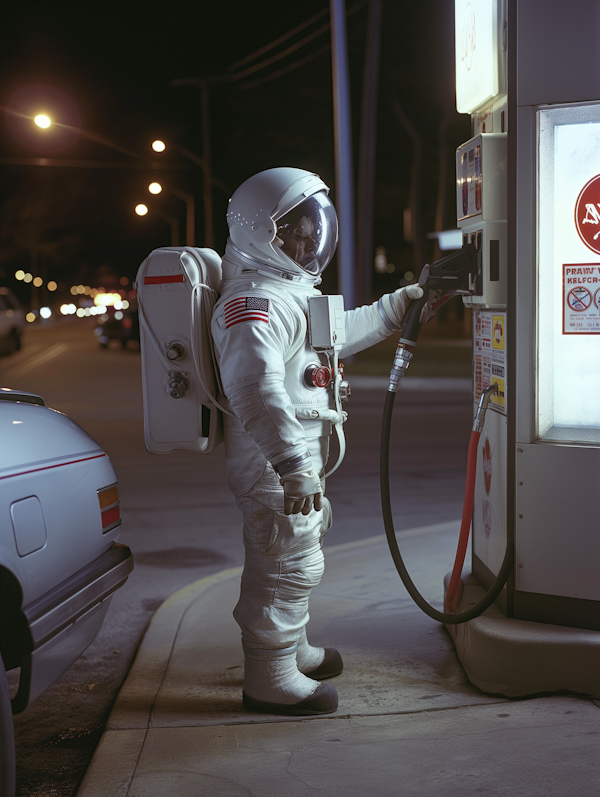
point(527, 198)
point(454, 275)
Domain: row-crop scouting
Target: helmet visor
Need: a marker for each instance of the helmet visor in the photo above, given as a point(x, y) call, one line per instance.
point(308, 233)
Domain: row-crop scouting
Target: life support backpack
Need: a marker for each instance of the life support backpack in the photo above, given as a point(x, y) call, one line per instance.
point(177, 288)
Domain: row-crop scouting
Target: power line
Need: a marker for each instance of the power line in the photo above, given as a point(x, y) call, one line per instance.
point(286, 69)
point(274, 58)
point(292, 48)
point(277, 41)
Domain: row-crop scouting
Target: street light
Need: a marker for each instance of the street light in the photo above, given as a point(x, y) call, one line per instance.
point(42, 120)
point(141, 210)
point(190, 216)
point(204, 163)
point(171, 221)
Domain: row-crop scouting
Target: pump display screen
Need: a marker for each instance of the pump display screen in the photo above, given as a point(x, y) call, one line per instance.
point(568, 384)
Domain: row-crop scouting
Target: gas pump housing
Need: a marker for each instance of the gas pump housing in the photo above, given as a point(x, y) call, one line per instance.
point(528, 196)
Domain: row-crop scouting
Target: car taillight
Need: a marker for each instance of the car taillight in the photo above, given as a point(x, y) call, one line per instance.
point(110, 509)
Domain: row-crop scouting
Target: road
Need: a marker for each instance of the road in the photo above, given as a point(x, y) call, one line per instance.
point(182, 524)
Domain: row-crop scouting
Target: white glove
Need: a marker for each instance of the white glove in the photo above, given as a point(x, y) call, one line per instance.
point(401, 298)
point(301, 489)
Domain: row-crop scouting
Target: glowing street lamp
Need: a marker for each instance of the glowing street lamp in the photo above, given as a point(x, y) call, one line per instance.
point(204, 163)
point(42, 120)
point(142, 210)
point(190, 217)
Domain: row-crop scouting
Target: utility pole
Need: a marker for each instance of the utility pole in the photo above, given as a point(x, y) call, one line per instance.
point(344, 192)
point(204, 160)
point(367, 154)
point(208, 208)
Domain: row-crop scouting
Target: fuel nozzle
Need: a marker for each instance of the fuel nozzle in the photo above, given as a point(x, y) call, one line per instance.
point(450, 276)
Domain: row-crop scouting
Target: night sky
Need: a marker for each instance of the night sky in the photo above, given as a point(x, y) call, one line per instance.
point(113, 64)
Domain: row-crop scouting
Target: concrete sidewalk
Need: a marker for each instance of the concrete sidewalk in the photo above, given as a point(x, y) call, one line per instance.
point(409, 723)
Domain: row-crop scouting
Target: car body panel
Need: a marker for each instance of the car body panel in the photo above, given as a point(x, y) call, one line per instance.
point(47, 456)
point(58, 566)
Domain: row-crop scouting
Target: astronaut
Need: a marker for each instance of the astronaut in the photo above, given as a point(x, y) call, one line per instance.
point(283, 232)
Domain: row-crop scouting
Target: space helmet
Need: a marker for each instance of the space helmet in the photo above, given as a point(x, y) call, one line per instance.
point(283, 219)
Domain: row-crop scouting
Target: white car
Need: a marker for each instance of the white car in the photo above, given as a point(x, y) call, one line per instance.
point(12, 321)
point(59, 560)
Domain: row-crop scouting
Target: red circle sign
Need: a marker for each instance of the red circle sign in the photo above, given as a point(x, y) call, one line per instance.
point(587, 214)
point(579, 299)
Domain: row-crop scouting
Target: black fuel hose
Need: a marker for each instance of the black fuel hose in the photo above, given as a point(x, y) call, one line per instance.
point(386, 505)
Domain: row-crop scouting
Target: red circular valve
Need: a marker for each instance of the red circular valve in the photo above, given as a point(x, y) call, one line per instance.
point(321, 376)
point(317, 375)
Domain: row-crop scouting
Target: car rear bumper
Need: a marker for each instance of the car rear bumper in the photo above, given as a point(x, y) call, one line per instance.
point(65, 621)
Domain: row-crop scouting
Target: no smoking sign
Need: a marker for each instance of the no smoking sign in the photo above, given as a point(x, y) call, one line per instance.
point(581, 299)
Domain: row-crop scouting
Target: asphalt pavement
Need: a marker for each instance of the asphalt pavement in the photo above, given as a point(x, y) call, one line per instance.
point(408, 721)
point(182, 524)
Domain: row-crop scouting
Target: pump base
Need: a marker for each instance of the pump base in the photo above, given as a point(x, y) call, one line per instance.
point(520, 658)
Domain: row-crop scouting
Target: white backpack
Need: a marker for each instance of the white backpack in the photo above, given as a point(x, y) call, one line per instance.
point(177, 288)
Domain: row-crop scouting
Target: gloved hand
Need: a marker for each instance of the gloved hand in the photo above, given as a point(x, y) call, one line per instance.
point(302, 490)
point(401, 298)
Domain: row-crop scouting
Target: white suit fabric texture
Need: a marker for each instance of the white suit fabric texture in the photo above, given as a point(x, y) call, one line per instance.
point(259, 328)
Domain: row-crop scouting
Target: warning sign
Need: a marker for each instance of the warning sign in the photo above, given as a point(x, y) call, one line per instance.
point(489, 357)
point(587, 214)
point(581, 299)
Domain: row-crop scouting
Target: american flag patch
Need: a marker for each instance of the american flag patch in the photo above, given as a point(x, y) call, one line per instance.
point(248, 308)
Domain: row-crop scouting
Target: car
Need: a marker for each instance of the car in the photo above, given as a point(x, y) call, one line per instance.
point(60, 562)
point(12, 321)
point(123, 326)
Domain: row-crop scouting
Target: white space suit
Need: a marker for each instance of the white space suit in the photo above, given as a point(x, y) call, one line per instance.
point(283, 233)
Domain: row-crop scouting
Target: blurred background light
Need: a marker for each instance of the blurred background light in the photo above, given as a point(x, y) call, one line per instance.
point(107, 299)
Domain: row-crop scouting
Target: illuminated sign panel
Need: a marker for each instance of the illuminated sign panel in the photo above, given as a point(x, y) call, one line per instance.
point(476, 35)
point(568, 383)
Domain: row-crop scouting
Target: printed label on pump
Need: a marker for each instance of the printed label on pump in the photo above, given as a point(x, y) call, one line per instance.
point(581, 299)
point(484, 120)
point(489, 353)
point(469, 182)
